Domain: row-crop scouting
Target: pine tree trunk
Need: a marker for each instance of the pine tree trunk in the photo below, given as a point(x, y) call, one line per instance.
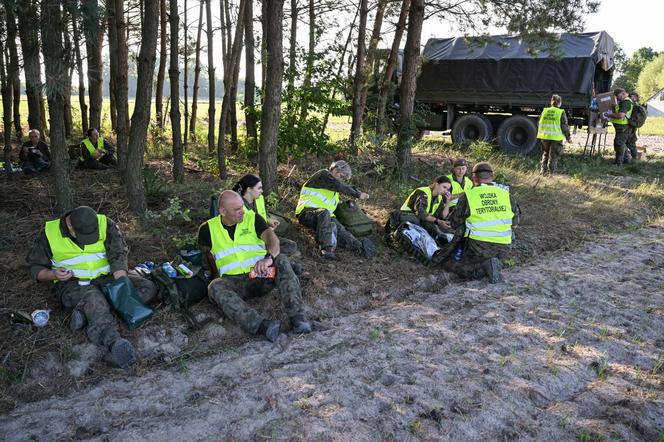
point(267, 160)
point(249, 80)
point(68, 52)
point(371, 54)
point(197, 74)
point(230, 88)
point(264, 9)
point(79, 66)
point(94, 35)
point(161, 73)
point(28, 26)
point(13, 69)
point(386, 86)
point(185, 47)
point(6, 90)
point(212, 94)
point(174, 77)
point(113, 63)
point(358, 83)
point(309, 69)
point(408, 86)
point(141, 116)
point(121, 86)
point(56, 73)
point(292, 64)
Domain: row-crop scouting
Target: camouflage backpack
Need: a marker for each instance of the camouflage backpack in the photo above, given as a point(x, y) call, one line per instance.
point(639, 116)
point(181, 294)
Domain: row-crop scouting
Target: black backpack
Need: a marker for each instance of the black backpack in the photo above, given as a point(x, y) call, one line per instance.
point(181, 294)
point(639, 115)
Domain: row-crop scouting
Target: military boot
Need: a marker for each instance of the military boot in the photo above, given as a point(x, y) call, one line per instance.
point(492, 269)
point(300, 325)
point(328, 253)
point(122, 353)
point(270, 329)
point(368, 248)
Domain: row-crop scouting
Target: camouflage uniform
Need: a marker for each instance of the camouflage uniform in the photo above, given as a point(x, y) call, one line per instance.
point(475, 252)
point(631, 145)
point(551, 149)
point(287, 246)
point(623, 134)
point(329, 231)
point(420, 211)
point(104, 162)
point(102, 327)
point(231, 291)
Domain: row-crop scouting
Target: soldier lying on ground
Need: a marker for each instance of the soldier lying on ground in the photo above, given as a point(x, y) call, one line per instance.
point(315, 209)
point(234, 243)
point(80, 252)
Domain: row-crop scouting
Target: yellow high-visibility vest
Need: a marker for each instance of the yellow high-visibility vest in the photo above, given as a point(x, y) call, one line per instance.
point(625, 120)
point(260, 207)
point(456, 187)
point(432, 205)
point(491, 214)
point(549, 124)
point(317, 198)
point(238, 255)
point(87, 263)
point(91, 148)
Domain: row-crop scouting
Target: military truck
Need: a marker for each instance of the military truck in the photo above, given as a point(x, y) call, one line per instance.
point(496, 90)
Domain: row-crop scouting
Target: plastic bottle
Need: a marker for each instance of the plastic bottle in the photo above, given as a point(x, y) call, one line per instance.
point(458, 253)
point(184, 270)
point(83, 282)
point(40, 317)
point(169, 270)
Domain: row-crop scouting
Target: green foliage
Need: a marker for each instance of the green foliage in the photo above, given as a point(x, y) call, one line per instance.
point(155, 186)
point(481, 149)
point(173, 212)
point(630, 68)
point(651, 78)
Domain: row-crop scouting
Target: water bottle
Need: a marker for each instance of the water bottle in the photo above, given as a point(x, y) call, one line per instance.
point(458, 253)
point(169, 270)
point(40, 318)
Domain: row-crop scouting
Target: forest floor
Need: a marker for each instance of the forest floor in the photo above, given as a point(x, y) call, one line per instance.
point(570, 346)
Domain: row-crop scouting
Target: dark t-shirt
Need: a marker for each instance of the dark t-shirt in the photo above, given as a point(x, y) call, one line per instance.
point(205, 240)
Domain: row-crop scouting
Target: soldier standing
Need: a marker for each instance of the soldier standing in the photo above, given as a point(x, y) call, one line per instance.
point(234, 243)
point(631, 140)
point(486, 214)
point(620, 120)
point(553, 128)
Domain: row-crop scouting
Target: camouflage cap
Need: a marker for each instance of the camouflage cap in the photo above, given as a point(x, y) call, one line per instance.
point(84, 222)
point(482, 167)
point(459, 162)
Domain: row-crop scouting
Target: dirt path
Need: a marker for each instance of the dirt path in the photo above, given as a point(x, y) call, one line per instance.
point(570, 348)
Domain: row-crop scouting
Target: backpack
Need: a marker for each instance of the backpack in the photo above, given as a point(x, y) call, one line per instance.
point(180, 294)
point(639, 115)
point(354, 218)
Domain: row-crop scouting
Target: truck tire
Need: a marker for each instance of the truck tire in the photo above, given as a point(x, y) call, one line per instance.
point(471, 127)
point(517, 134)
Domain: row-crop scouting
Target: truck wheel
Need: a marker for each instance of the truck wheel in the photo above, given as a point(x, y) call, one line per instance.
point(517, 134)
point(471, 127)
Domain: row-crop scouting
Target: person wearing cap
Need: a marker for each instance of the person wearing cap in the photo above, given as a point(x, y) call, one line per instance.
point(486, 214)
point(553, 128)
point(235, 243)
point(319, 198)
point(426, 206)
point(631, 150)
point(620, 120)
point(460, 182)
point(96, 152)
point(78, 253)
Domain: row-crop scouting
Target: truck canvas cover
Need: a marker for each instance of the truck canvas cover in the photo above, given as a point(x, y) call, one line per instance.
point(454, 68)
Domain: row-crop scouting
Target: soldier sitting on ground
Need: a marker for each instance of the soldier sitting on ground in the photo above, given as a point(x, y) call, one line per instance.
point(315, 209)
point(34, 155)
point(234, 243)
point(80, 252)
point(426, 206)
point(96, 152)
point(486, 214)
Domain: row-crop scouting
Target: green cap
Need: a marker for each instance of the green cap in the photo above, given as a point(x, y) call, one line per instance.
point(84, 222)
point(459, 162)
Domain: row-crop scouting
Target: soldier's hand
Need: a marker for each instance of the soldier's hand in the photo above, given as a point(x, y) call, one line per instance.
point(62, 274)
point(364, 196)
point(274, 223)
point(262, 265)
point(443, 224)
point(569, 140)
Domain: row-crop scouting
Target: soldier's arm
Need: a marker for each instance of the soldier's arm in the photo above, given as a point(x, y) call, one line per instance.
point(323, 179)
point(564, 126)
point(116, 250)
point(205, 245)
point(420, 208)
point(461, 212)
point(516, 209)
point(38, 259)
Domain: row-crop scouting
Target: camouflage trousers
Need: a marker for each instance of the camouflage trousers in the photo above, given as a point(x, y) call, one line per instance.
point(230, 293)
point(551, 151)
point(102, 327)
point(620, 143)
point(631, 145)
point(330, 233)
point(475, 253)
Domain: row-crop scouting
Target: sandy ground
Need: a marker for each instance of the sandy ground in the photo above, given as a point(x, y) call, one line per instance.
point(570, 347)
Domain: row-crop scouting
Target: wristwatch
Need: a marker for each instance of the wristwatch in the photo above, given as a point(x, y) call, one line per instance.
point(268, 255)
